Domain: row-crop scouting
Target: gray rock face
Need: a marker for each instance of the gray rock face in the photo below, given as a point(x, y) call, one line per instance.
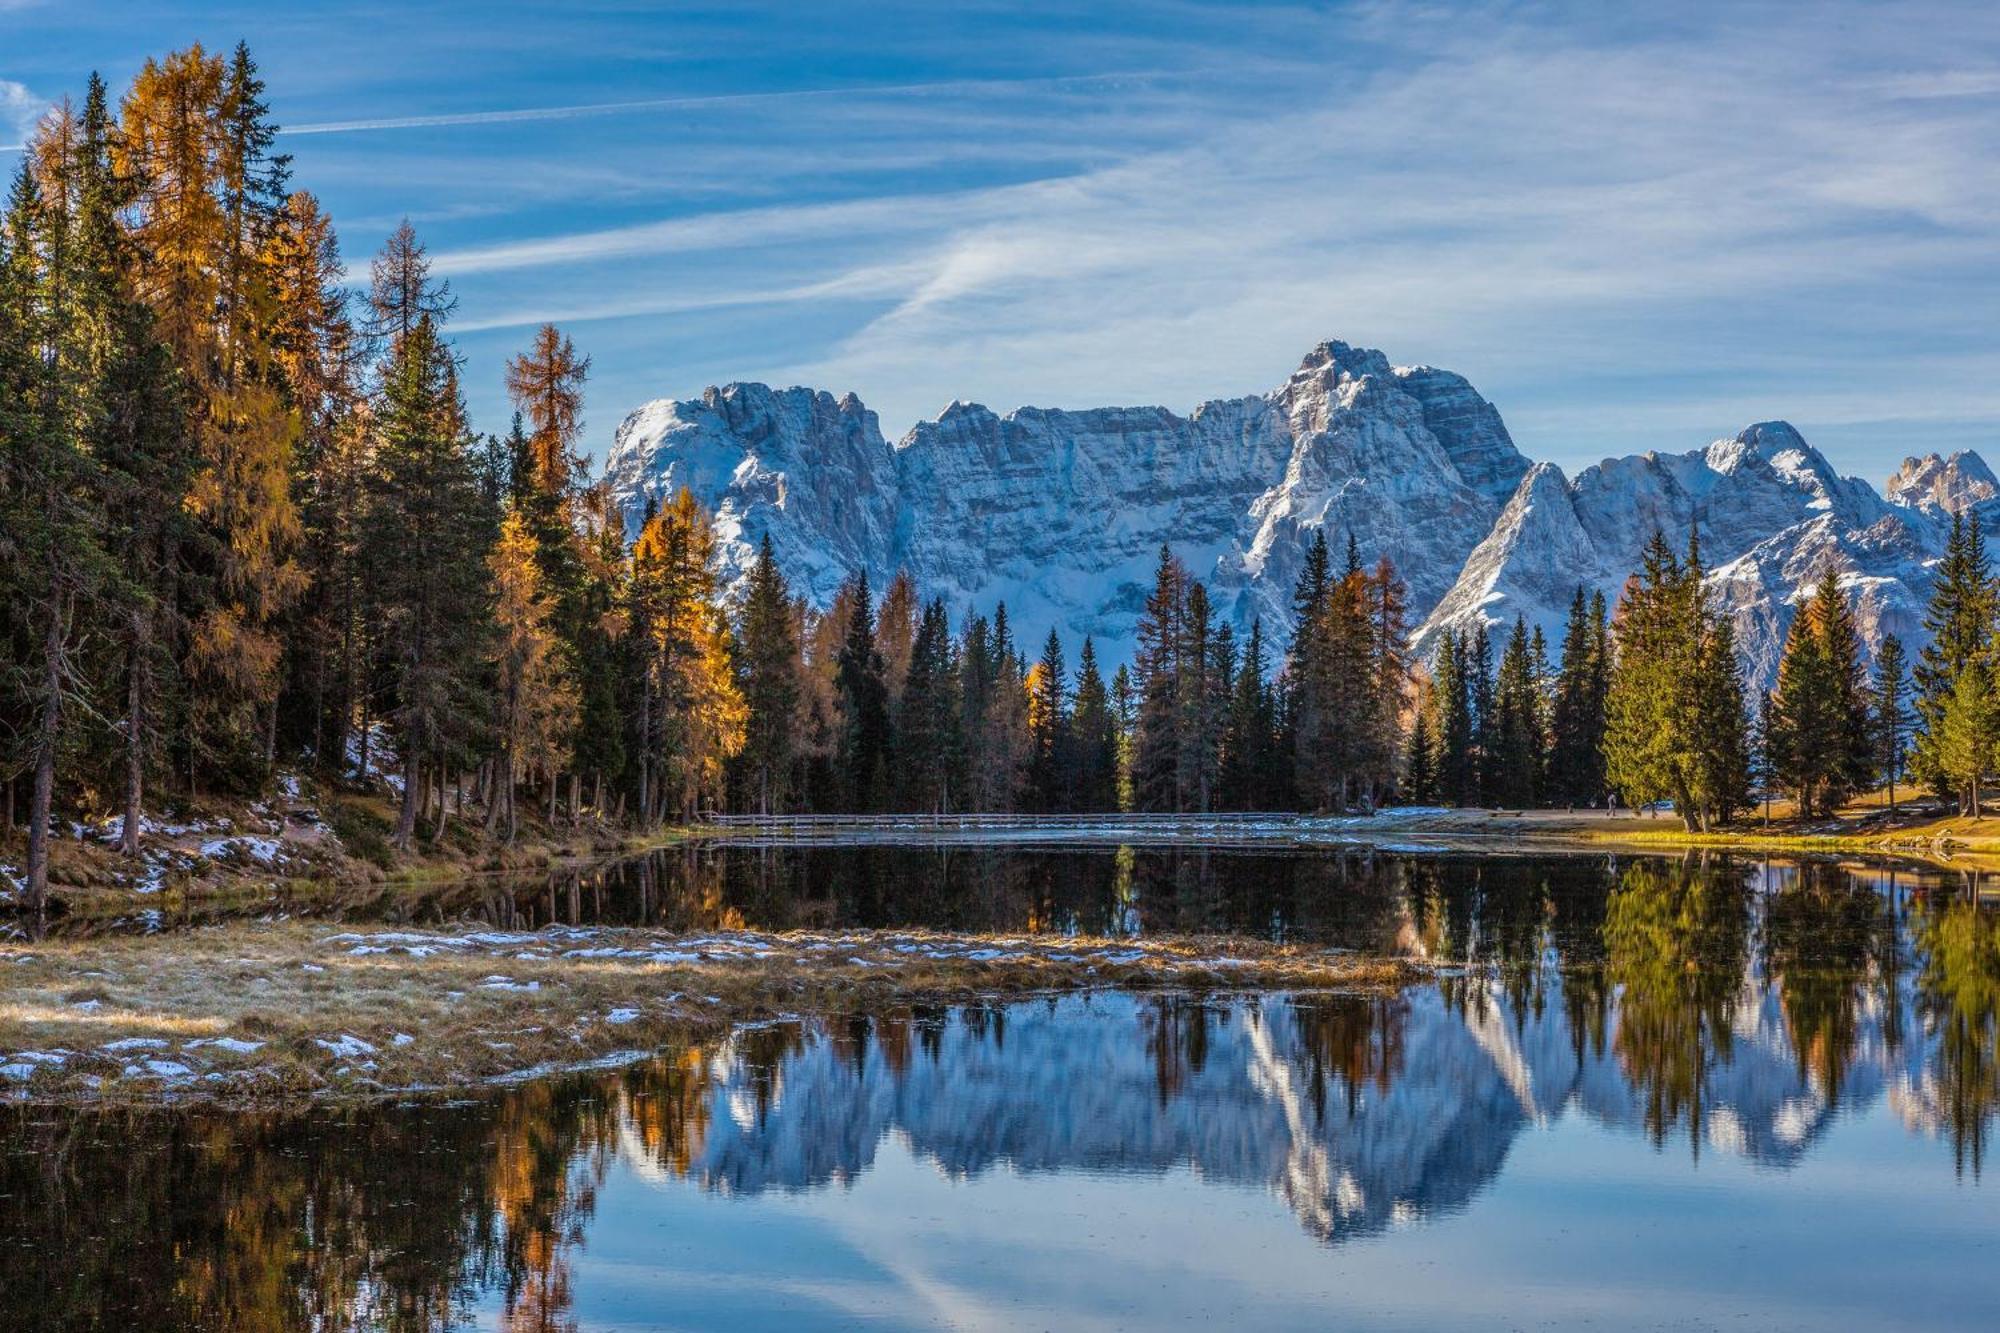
point(1944, 484)
point(1062, 514)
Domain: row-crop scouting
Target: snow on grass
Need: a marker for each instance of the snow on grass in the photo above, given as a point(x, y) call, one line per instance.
point(154, 1067)
point(264, 851)
point(234, 1045)
point(346, 1046)
point(294, 1008)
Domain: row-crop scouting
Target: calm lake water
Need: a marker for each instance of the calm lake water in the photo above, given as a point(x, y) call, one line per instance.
point(1643, 1092)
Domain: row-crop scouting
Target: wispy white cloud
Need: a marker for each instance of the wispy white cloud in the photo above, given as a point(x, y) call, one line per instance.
point(1496, 201)
point(724, 231)
point(1938, 84)
point(888, 281)
point(19, 110)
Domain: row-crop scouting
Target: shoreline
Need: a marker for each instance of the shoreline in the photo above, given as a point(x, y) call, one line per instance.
point(106, 888)
point(270, 1012)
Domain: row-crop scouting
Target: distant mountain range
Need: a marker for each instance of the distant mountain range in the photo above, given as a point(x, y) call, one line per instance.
point(1061, 514)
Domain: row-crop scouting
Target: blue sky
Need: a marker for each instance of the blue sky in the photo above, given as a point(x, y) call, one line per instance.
point(1630, 230)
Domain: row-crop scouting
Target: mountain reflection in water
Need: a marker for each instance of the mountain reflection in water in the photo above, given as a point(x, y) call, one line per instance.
point(1721, 1009)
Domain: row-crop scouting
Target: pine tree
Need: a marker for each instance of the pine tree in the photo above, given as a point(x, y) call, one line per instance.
point(1457, 773)
point(207, 192)
point(1008, 745)
point(427, 528)
point(1820, 729)
point(767, 675)
point(1157, 744)
point(1965, 741)
point(1891, 713)
point(1125, 721)
point(1309, 681)
point(1576, 754)
point(1247, 737)
point(1200, 697)
point(1485, 717)
point(535, 690)
point(1959, 622)
point(1094, 729)
point(401, 290)
point(975, 695)
point(1420, 785)
point(927, 734)
point(864, 712)
point(138, 437)
point(691, 715)
point(53, 529)
point(1675, 723)
point(1763, 771)
point(896, 629)
point(1392, 669)
point(546, 383)
point(1051, 770)
point(1517, 727)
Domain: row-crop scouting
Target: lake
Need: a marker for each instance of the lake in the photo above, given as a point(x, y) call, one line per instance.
point(1638, 1091)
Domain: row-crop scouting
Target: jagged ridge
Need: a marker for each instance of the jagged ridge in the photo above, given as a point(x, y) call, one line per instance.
point(1061, 513)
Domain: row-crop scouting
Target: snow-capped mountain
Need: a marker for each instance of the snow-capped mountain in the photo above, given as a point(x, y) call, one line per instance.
point(1946, 484)
point(1772, 517)
point(1061, 514)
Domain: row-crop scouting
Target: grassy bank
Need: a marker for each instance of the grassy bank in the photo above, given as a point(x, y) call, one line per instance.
point(271, 1011)
point(311, 842)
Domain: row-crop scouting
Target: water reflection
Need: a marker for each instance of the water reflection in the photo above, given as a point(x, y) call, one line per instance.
point(1731, 1009)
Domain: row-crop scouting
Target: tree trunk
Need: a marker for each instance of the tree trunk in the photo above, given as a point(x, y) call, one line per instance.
point(363, 771)
point(47, 732)
point(406, 818)
point(135, 743)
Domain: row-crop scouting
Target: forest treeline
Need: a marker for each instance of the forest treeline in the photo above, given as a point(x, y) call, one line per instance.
point(246, 524)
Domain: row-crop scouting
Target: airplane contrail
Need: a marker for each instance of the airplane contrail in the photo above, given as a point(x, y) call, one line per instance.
point(716, 99)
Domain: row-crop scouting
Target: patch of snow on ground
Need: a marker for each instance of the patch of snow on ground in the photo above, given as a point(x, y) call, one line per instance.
point(135, 1044)
point(621, 1016)
point(234, 1045)
point(346, 1046)
point(264, 851)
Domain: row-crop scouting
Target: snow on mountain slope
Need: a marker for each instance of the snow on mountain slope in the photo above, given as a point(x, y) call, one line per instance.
point(1061, 514)
point(1772, 516)
point(1944, 484)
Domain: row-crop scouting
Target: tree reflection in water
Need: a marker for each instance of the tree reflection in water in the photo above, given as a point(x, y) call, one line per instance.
point(1736, 1004)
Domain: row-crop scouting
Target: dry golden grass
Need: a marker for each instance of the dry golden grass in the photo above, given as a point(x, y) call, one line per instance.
point(335, 1011)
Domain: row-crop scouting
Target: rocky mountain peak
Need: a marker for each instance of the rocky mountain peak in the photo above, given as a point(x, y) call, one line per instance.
point(1061, 513)
point(1335, 359)
point(1943, 484)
